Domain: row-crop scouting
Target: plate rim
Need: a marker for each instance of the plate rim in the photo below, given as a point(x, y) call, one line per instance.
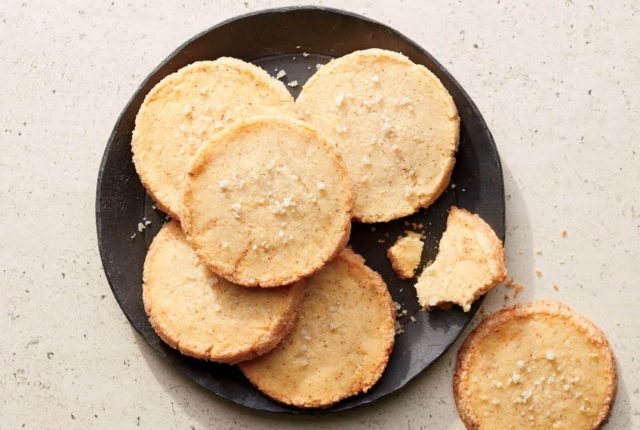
point(277, 10)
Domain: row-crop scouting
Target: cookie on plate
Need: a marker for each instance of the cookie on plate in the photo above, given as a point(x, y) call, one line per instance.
point(187, 108)
point(536, 366)
point(267, 202)
point(204, 316)
point(340, 344)
point(470, 261)
point(405, 255)
point(395, 124)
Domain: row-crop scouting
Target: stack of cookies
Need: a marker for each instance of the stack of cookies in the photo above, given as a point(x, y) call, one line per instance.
point(253, 268)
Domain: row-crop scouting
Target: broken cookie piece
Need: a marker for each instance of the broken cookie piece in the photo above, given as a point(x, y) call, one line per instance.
point(405, 255)
point(469, 263)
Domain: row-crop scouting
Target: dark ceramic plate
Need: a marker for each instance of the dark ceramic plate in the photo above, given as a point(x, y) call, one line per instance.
point(277, 39)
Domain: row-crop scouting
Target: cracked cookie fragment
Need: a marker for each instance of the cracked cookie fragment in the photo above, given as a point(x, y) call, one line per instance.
point(535, 366)
point(469, 263)
point(405, 255)
point(204, 316)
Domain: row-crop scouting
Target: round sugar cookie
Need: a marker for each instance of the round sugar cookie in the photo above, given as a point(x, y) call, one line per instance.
point(341, 341)
point(187, 108)
point(267, 202)
point(394, 123)
point(536, 366)
point(206, 317)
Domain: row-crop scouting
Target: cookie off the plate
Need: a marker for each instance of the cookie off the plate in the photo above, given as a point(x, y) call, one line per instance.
point(536, 366)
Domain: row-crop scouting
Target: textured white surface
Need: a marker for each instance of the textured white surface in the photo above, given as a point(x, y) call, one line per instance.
point(557, 82)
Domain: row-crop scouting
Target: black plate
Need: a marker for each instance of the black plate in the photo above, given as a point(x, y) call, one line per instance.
point(277, 39)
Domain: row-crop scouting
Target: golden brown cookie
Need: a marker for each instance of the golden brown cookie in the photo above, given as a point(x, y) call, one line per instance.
point(187, 108)
point(340, 344)
point(535, 366)
point(204, 316)
point(267, 202)
point(469, 263)
point(394, 123)
point(405, 255)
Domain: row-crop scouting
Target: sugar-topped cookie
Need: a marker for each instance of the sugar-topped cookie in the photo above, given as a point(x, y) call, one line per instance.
point(186, 109)
point(267, 202)
point(395, 124)
point(535, 366)
point(340, 344)
point(204, 316)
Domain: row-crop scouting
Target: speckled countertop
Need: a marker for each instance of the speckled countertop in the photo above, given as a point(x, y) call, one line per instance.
point(557, 82)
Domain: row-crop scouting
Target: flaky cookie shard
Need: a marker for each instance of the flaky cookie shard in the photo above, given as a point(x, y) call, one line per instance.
point(536, 366)
point(340, 344)
point(405, 255)
point(470, 261)
point(267, 202)
point(186, 109)
point(202, 315)
point(395, 124)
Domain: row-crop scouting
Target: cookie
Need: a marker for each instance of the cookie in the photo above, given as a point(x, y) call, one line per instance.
point(394, 123)
point(340, 344)
point(187, 108)
point(405, 255)
point(204, 316)
point(470, 261)
point(267, 202)
point(535, 366)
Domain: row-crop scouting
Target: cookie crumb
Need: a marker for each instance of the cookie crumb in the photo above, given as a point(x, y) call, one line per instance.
point(386, 126)
point(399, 329)
point(405, 101)
point(235, 209)
point(373, 100)
point(515, 286)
